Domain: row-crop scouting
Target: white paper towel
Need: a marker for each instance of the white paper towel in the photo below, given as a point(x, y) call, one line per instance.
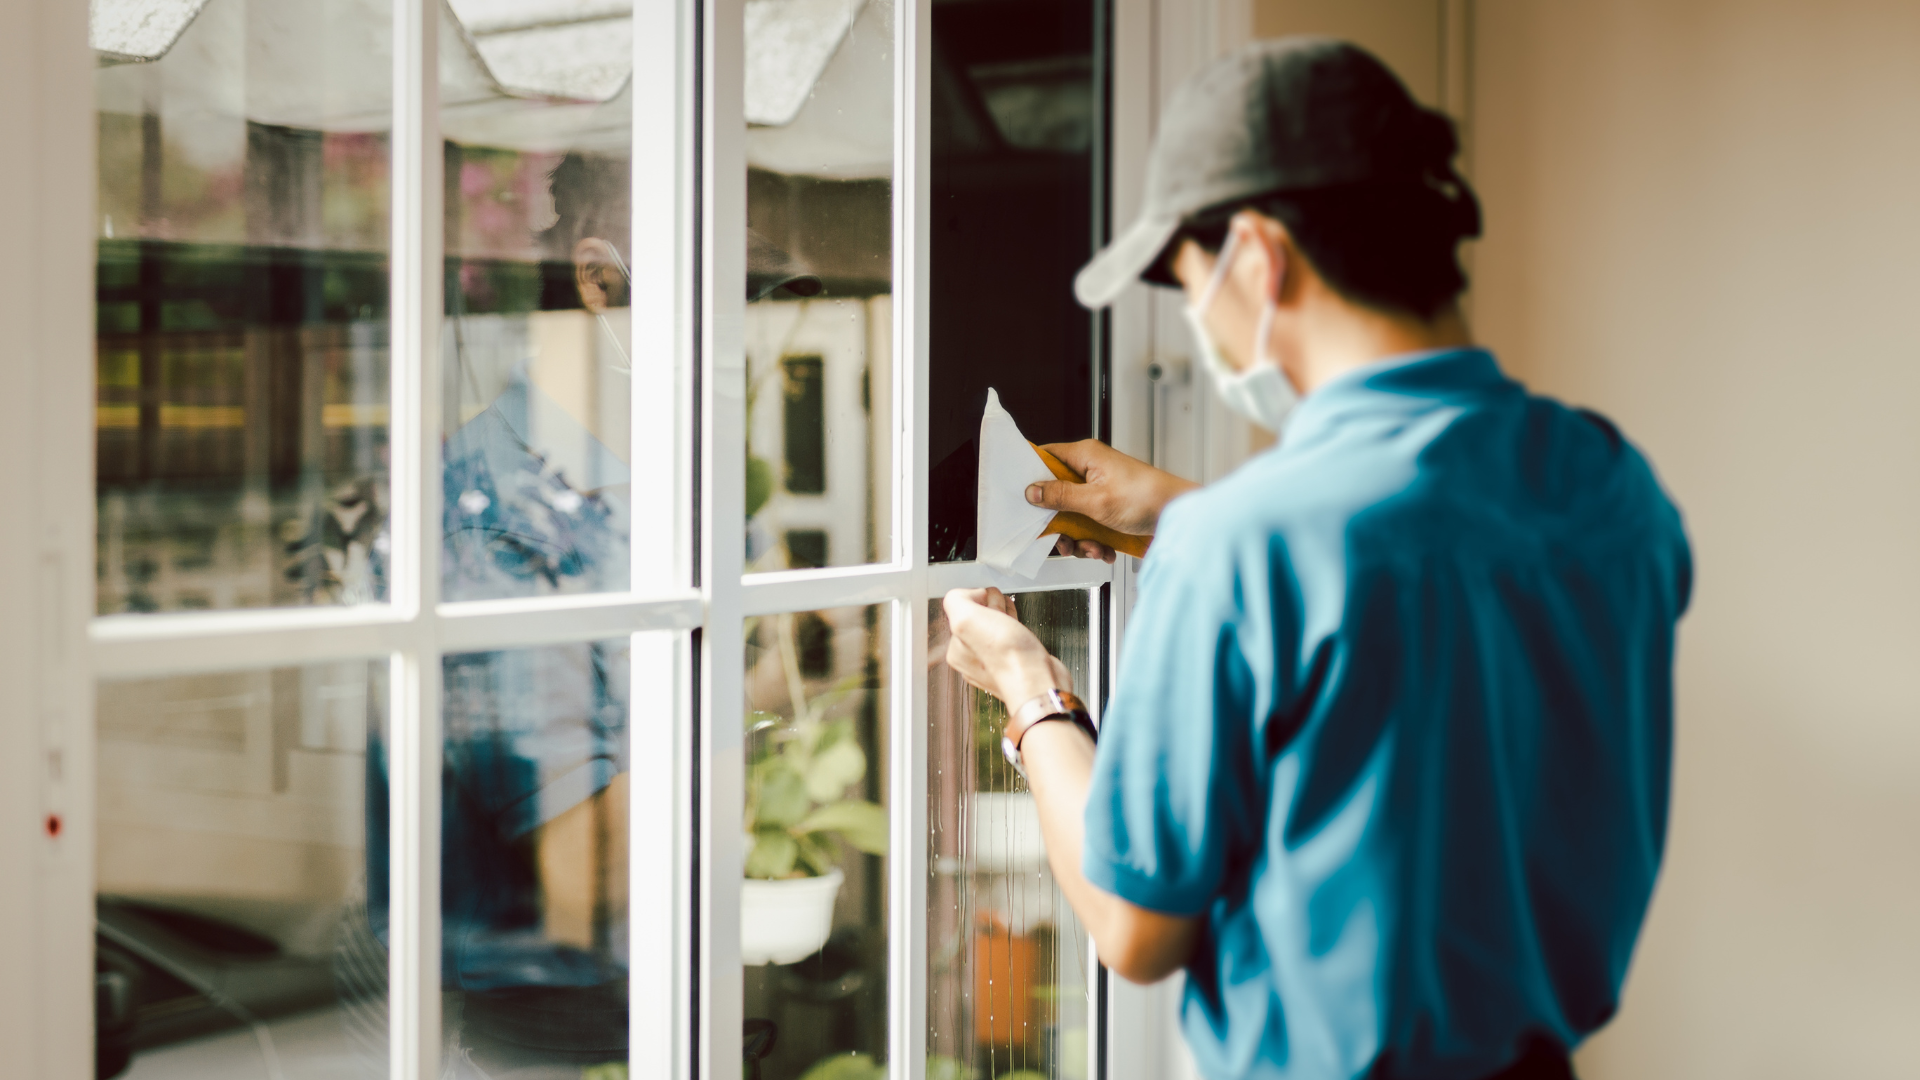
point(1008, 528)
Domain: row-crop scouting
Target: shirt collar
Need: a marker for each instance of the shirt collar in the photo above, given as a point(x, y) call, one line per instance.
point(1396, 382)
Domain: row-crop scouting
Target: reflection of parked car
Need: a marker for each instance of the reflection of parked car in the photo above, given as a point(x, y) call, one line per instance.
point(164, 976)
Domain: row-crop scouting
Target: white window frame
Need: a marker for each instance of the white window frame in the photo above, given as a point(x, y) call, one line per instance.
point(688, 259)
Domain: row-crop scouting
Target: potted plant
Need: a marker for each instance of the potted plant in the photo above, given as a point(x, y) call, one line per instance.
point(798, 813)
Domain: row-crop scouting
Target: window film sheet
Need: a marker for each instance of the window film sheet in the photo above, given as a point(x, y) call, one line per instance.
point(1008, 965)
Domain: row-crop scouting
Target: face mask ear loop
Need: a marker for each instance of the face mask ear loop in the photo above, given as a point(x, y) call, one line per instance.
point(1221, 264)
point(1264, 330)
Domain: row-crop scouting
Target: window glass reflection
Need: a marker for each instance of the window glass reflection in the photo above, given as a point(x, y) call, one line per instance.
point(534, 840)
point(234, 940)
point(537, 485)
point(1016, 126)
point(241, 411)
point(819, 147)
point(1007, 960)
point(814, 903)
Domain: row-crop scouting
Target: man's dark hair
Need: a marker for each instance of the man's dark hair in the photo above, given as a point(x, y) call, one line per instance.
point(1391, 246)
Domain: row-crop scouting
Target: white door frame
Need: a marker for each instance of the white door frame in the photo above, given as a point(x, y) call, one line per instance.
point(52, 648)
point(46, 565)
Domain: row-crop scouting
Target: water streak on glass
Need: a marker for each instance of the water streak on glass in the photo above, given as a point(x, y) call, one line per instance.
point(539, 491)
point(1007, 960)
point(237, 935)
point(814, 905)
point(819, 148)
point(534, 842)
point(241, 344)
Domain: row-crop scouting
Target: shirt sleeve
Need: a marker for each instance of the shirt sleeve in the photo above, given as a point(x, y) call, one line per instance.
point(1176, 802)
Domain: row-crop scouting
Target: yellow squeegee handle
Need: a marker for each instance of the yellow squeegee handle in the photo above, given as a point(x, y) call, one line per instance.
point(1081, 527)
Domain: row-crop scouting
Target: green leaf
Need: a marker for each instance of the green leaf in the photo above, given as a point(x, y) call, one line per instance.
point(861, 824)
point(815, 857)
point(831, 732)
point(612, 1070)
point(773, 854)
point(845, 1067)
point(834, 768)
point(783, 796)
point(759, 484)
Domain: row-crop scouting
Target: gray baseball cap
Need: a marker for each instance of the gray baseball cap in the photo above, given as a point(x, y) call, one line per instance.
point(1291, 114)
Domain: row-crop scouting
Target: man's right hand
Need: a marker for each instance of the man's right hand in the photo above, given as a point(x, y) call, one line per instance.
point(1120, 492)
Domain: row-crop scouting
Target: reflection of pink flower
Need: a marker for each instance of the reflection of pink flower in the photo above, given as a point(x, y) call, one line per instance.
point(226, 185)
point(492, 220)
point(475, 179)
point(352, 149)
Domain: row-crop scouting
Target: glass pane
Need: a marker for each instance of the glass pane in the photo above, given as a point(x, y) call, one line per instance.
point(819, 105)
point(1007, 961)
point(241, 417)
point(1016, 128)
point(537, 391)
point(534, 858)
point(813, 918)
point(242, 875)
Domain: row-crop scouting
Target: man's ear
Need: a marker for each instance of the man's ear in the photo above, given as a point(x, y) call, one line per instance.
point(1271, 268)
point(597, 276)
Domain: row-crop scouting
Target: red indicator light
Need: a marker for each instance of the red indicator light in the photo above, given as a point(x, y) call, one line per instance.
point(53, 826)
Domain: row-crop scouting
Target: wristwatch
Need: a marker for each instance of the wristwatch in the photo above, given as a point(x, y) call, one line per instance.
point(1052, 705)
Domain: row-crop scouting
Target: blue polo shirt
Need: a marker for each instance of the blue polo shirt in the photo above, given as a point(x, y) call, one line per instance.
point(1395, 716)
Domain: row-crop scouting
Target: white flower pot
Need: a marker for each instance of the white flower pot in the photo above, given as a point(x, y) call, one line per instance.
point(1006, 833)
point(785, 921)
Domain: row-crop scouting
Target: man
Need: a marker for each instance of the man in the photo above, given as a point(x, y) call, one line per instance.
point(1385, 768)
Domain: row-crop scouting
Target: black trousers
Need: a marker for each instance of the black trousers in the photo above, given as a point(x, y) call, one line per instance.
point(1542, 1060)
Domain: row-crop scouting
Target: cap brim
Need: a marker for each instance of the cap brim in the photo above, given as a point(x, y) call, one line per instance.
point(762, 284)
point(1101, 281)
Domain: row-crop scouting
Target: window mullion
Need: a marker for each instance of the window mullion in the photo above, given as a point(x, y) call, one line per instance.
point(414, 724)
point(723, 411)
point(913, 194)
point(664, 291)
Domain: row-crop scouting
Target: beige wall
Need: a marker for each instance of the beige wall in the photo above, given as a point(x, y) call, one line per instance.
point(1406, 34)
point(1704, 219)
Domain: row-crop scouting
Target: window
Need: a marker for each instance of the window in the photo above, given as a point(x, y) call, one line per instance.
point(805, 421)
point(529, 449)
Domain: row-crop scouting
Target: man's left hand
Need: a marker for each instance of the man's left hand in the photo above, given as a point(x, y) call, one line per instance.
point(994, 652)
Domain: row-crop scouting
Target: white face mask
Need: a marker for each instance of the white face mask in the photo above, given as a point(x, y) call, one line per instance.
point(1261, 393)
